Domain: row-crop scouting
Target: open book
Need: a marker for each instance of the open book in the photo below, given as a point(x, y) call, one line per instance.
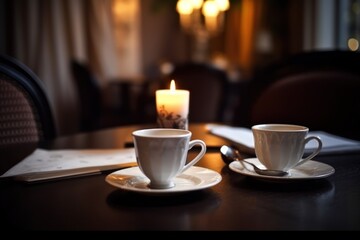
point(53, 164)
point(243, 139)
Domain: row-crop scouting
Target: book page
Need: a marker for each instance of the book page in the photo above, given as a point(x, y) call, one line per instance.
point(52, 163)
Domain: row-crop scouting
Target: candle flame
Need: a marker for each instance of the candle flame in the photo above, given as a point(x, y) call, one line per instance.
point(172, 86)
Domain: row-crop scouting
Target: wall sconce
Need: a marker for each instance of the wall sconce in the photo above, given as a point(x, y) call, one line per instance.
point(200, 15)
point(202, 20)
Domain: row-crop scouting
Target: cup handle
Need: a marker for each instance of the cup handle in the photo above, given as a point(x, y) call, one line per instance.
point(199, 156)
point(308, 139)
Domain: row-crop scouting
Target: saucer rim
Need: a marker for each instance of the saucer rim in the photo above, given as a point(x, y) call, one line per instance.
point(234, 166)
point(216, 178)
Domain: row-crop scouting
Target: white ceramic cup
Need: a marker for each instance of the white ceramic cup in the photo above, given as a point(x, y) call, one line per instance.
point(161, 154)
point(281, 146)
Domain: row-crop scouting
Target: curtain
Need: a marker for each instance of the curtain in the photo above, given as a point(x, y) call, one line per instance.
point(244, 23)
point(47, 34)
point(260, 32)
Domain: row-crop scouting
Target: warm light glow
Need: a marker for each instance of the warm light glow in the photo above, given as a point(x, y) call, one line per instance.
point(121, 7)
point(210, 9)
point(202, 16)
point(197, 4)
point(184, 7)
point(203, 19)
point(247, 34)
point(353, 44)
point(223, 5)
point(172, 86)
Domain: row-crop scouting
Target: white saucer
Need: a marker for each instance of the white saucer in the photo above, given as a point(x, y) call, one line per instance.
point(308, 170)
point(195, 178)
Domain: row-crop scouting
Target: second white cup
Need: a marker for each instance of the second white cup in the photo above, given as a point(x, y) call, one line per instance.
point(161, 154)
point(281, 146)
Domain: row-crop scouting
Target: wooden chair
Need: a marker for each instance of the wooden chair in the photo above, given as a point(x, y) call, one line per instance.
point(208, 88)
point(94, 112)
point(89, 95)
point(26, 118)
point(320, 90)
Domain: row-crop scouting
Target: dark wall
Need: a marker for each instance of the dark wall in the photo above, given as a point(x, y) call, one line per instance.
point(162, 38)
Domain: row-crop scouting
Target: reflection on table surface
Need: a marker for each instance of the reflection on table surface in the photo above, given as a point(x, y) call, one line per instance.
point(237, 203)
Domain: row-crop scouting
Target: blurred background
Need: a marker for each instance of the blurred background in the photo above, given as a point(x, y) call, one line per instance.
point(129, 46)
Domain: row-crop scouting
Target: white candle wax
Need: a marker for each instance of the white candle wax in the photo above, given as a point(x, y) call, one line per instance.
point(172, 106)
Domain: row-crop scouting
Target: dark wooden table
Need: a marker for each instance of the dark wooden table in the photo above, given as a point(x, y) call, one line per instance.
point(236, 203)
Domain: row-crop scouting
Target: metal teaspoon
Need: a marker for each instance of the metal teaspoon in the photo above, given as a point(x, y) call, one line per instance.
point(229, 154)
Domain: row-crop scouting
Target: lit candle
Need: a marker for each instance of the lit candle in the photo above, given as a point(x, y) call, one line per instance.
point(172, 107)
